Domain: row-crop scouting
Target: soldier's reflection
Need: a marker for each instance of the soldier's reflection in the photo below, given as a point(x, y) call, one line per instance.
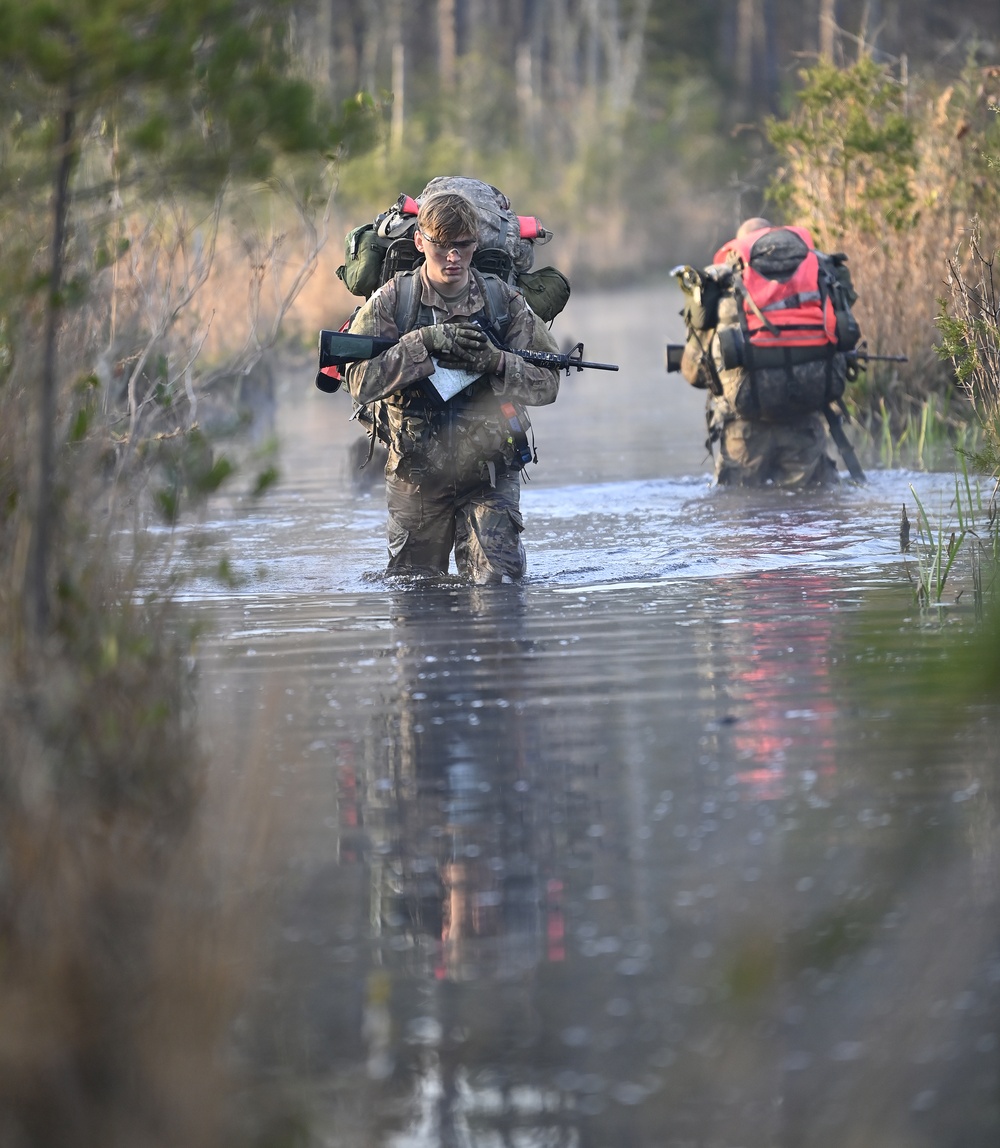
point(468, 883)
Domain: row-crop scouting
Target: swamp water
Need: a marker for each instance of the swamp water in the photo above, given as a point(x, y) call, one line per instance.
point(661, 847)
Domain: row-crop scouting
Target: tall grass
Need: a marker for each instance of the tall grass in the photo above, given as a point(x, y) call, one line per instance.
point(968, 525)
point(890, 172)
point(927, 437)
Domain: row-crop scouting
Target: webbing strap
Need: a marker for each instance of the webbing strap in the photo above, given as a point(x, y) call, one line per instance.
point(407, 300)
point(794, 301)
point(743, 293)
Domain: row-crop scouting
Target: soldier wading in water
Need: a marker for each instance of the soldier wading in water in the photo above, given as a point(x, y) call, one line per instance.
point(770, 334)
point(449, 404)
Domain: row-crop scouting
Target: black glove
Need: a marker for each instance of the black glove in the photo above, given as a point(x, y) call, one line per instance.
point(450, 343)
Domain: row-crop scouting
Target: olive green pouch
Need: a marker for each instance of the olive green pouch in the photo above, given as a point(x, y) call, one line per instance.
point(361, 270)
point(546, 290)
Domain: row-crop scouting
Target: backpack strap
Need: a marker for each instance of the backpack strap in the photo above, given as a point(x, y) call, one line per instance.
point(745, 295)
point(406, 309)
point(407, 300)
point(496, 300)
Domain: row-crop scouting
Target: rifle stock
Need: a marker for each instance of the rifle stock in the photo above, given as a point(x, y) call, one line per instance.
point(338, 348)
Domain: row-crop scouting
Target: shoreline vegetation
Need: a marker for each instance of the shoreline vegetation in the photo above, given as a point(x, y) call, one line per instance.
point(175, 196)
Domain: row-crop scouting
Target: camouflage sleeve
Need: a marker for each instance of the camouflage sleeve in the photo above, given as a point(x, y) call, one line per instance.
point(694, 365)
point(533, 385)
point(405, 363)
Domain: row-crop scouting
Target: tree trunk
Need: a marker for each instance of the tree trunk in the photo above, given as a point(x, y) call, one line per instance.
point(629, 61)
point(36, 592)
point(827, 28)
point(872, 23)
point(746, 15)
point(447, 45)
point(370, 46)
point(398, 49)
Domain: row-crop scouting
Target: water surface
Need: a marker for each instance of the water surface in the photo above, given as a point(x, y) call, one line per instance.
point(660, 847)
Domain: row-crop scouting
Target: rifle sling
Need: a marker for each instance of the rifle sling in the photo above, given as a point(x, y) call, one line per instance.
point(844, 444)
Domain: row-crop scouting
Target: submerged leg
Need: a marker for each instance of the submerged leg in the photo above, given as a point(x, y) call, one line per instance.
point(488, 527)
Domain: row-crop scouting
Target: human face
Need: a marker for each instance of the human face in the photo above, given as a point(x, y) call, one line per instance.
point(446, 262)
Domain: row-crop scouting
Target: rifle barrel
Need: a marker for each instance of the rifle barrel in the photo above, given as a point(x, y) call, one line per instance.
point(563, 362)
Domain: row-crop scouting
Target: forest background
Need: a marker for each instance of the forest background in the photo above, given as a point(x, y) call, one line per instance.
point(636, 130)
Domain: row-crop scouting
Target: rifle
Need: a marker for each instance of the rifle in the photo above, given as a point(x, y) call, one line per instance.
point(860, 357)
point(338, 348)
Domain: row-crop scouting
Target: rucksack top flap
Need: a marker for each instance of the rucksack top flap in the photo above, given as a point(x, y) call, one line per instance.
point(778, 254)
point(739, 250)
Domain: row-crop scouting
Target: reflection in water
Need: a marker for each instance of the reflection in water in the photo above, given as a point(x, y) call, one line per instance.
point(466, 828)
point(465, 854)
point(767, 739)
point(641, 864)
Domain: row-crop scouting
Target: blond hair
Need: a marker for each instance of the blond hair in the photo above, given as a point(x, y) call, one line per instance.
point(446, 215)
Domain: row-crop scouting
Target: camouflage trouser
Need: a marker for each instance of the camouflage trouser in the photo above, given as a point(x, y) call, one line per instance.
point(482, 524)
point(787, 454)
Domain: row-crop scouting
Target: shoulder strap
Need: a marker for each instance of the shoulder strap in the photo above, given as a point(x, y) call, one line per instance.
point(405, 312)
point(496, 296)
point(743, 294)
point(407, 300)
point(495, 293)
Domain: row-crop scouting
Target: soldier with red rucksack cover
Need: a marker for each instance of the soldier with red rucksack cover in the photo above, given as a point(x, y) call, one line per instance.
point(770, 330)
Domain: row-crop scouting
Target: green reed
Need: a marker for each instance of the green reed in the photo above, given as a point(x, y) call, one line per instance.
point(938, 546)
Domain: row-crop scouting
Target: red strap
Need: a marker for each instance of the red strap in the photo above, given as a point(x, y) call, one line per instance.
point(530, 227)
point(407, 205)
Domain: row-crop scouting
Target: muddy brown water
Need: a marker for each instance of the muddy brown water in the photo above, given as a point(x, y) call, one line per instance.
point(660, 847)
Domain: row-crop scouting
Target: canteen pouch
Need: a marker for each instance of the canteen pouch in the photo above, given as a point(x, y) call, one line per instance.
point(361, 270)
point(546, 290)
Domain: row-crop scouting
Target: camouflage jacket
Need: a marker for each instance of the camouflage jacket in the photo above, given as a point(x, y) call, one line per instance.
point(457, 439)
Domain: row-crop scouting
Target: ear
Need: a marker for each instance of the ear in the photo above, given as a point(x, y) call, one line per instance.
point(418, 241)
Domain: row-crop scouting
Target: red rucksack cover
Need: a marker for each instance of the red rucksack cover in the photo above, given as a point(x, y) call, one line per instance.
point(783, 305)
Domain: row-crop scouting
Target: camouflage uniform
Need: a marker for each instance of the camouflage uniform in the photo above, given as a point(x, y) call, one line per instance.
point(452, 475)
point(793, 453)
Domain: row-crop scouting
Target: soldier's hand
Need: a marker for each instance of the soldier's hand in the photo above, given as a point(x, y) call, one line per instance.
point(453, 342)
point(484, 360)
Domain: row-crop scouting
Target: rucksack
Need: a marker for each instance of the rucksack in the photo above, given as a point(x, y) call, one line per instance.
point(792, 297)
point(376, 251)
point(784, 356)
